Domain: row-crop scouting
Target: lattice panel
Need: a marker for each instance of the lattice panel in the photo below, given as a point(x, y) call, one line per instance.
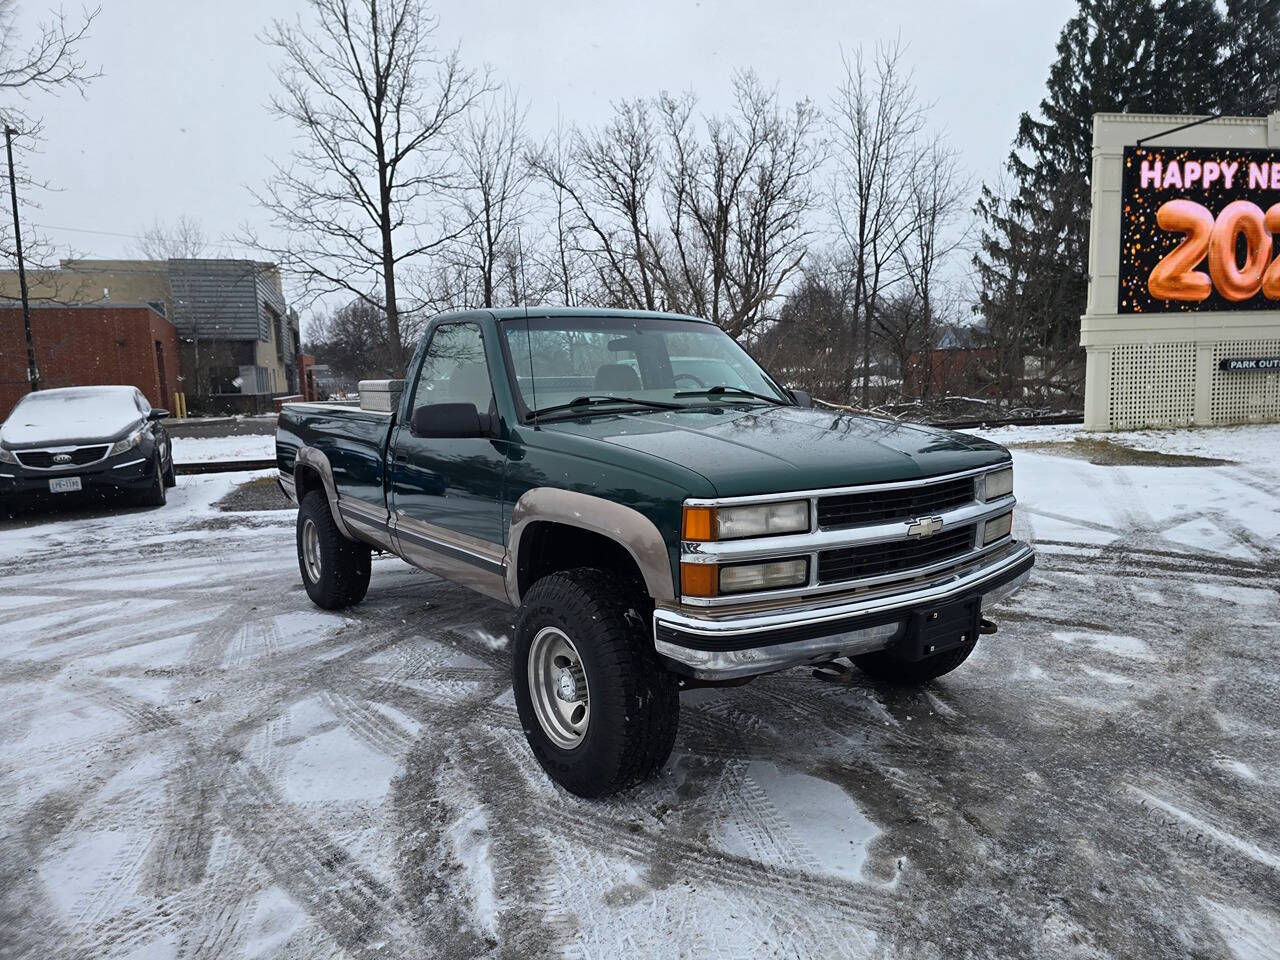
point(1244, 397)
point(1152, 384)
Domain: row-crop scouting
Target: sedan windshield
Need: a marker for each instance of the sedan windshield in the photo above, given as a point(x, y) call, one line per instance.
point(637, 361)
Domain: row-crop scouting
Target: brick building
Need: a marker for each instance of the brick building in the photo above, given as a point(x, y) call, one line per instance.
point(130, 344)
point(239, 339)
point(960, 363)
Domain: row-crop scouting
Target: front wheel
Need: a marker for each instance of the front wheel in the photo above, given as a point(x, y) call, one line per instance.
point(335, 570)
point(156, 493)
point(598, 708)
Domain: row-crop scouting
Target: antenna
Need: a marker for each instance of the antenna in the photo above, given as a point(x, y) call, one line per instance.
point(533, 381)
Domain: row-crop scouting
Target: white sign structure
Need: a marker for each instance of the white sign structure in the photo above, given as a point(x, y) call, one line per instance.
point(1182, 324)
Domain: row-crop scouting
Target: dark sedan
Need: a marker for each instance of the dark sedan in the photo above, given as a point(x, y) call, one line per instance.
point(95, 440)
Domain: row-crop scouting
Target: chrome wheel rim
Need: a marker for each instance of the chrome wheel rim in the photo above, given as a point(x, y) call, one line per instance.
point(558, 687)
point(311, 549)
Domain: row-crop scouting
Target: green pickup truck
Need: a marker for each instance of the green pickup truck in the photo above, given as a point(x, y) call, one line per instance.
point(660, 511)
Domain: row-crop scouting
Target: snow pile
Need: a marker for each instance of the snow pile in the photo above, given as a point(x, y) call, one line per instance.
point(206, 449)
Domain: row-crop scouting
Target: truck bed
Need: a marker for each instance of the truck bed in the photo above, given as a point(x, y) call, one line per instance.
point(354, 441)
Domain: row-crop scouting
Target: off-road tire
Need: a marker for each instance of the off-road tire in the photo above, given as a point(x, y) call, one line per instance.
point(344, 564)
point(883, 665)
point(156, 494)
point(634, 700)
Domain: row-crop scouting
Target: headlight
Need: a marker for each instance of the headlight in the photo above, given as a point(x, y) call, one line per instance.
point(764, 576)
point(997, 528)
point(128, 443)
point(7, 456)
point(999, 483)
point(755, 520)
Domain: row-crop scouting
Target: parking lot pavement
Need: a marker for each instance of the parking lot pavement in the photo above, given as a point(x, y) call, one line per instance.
point(194, 761)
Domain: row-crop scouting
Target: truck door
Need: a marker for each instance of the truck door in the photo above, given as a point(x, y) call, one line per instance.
point(445, 495)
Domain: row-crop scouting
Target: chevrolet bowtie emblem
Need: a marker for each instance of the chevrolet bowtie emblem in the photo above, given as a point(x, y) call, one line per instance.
point(924, 527)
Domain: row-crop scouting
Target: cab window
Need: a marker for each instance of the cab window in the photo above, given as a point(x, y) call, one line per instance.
point(454, 369)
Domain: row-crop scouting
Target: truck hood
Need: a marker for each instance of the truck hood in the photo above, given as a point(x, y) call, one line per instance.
point(776, 449)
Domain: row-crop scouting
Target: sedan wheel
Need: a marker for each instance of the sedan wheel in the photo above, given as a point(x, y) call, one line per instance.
point(156, 493)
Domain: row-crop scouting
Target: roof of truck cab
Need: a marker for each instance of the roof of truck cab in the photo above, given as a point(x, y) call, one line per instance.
point(519, 313)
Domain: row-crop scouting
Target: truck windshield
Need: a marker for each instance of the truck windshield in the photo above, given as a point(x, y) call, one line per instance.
point(636, 359)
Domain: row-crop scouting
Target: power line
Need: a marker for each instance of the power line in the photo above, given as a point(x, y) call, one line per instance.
point(101, 233)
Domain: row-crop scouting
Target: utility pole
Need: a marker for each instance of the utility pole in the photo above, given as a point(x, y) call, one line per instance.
point(33, 372)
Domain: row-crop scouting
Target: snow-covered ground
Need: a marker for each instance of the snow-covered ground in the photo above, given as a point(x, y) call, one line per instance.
point(194, 761)
point(244, 447)
point(1250, 443)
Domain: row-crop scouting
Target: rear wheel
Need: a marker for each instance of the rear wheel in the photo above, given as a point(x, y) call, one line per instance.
point(598, 708)
point(335, 570)
point(883, 665)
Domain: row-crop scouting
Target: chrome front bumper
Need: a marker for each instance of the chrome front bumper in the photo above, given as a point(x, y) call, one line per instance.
point(724, 648)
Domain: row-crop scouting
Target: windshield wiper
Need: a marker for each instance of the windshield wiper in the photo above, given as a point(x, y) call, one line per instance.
point(592, 400)
point(722, 389)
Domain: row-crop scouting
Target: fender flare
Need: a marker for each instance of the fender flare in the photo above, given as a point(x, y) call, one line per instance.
point(310, 457)
point(631, 529)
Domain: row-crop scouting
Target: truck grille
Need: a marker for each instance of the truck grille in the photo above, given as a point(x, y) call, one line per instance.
point(852, 509)
point(875, 559)
point(43, 459)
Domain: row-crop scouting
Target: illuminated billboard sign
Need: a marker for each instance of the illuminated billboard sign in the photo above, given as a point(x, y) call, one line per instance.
point(1200, 229)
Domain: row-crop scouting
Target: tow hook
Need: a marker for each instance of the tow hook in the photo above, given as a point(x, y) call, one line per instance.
point(987, 626)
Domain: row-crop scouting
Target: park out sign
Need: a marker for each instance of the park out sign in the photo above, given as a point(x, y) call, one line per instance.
point(1200, 229)
point(1250, 364)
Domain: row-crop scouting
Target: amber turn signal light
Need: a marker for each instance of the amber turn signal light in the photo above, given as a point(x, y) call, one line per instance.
point(699, 579)
point(699, 524)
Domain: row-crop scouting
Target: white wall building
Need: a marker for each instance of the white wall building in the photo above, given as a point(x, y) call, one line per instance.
point(1160, 325)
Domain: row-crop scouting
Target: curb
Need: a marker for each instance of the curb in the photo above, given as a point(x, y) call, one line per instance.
point(223, 466)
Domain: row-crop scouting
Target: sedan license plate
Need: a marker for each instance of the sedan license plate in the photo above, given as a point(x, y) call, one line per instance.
point(64, 484)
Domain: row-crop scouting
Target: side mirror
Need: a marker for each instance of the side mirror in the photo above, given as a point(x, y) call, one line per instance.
point(801, 398)
point(157, 414)
point(449, 420)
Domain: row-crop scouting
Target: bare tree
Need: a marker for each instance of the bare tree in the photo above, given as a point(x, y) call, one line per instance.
point(183, 239)
point(352, 340)
point(49, 61)
point(738, 203)
point(704, 215)
point(492, 151)
point(607, 179)
point(875, 119)
point(561, 268)
point(803, 343)
point(901, 333)
point(376, 106)
point(938, 195)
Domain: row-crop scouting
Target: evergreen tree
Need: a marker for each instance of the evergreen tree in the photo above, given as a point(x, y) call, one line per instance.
point(1104, 64)
point(1113, 56)
point(1251, 67)
point(1186, 77)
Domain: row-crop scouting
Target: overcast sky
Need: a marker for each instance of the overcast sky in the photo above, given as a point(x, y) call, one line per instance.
point(178, 122)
